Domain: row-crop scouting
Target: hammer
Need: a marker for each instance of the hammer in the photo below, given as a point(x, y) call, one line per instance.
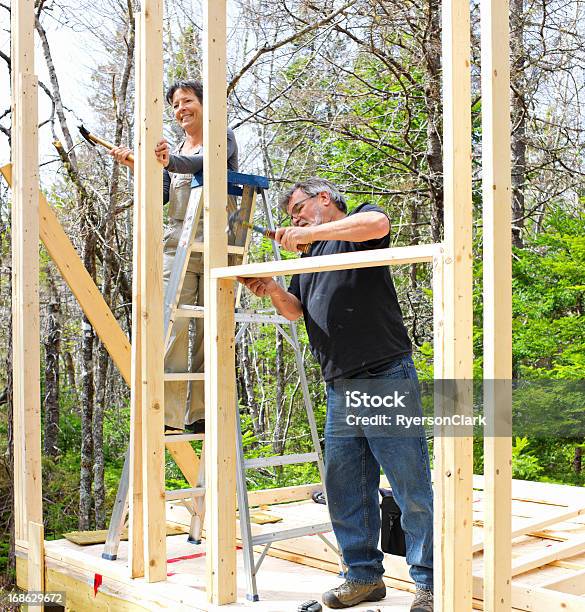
point(236, 219)
point(93, 140)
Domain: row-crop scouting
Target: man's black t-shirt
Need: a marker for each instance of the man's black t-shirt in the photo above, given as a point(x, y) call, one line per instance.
point(353, 318)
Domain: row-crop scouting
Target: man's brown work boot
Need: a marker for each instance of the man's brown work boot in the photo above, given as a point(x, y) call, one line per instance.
point(423, 601)
point(352, 593)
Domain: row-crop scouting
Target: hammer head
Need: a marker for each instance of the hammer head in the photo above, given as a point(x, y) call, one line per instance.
point(86, 134)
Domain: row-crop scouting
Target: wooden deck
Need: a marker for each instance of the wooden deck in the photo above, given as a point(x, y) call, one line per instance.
point(548, 560)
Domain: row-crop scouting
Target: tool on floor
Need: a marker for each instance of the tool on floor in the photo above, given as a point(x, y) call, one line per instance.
point(310, 606)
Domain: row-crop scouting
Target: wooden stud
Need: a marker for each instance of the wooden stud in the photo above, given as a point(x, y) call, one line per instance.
point(497, 313)
point(395, 256)
point(135, 492)
point(220, 466)
point(25, 274)
point(220, 396)
point(454, 453)
point(151, 288)
point(36, 557)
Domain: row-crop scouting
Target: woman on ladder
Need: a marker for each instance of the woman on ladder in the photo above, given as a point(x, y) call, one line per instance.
point(184, 403)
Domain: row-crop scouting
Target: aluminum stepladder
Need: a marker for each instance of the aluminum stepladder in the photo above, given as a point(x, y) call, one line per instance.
point(242, 464)
point(178, 445)
point(193, 498)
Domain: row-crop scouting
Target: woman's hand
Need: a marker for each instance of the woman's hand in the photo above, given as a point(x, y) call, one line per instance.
point(162, 152)
point(120, 154)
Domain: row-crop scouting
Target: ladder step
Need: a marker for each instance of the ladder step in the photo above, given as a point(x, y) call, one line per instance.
point(184, 376)
point(287, 534)
point(241, 316)
point(185, 493)
point(280, 460)
point(183, 437)
point(232, 250)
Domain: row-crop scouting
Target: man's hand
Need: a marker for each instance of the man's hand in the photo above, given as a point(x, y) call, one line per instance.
point(162, 152)
point(120, 154)
point(286, 303)
point(290, 237)
point(260, 287)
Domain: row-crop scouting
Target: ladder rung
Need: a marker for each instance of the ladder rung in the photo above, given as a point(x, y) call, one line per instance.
point(184, 493)
point(287, 534)
point(280, 460)
point(189, 312)
point(232, 250)
point(184, 376)
point(183, 437)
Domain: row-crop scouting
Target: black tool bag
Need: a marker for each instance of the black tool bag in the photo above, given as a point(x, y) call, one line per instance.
point(392, 538)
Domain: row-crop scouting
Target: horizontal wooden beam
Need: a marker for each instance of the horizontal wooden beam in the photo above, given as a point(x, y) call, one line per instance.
point(532, 525)
point(394, 256)
point(88, 295)
point(554, 553)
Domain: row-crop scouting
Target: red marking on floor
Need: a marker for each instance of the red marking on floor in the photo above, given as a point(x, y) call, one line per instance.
point(186, 557)
point(97, 583)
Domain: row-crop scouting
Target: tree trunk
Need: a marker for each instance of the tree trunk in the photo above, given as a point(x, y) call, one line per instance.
point(70, 371)
point(87, 400)
point(518, 111)
point(278, 442)
point(99, 490)
point(52, 350)
point(10, 434)
point(434, 108)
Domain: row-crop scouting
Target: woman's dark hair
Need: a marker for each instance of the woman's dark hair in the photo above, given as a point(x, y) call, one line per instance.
point(195, 86)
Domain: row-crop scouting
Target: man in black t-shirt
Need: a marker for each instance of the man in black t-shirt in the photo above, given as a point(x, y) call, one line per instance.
point(355, 329)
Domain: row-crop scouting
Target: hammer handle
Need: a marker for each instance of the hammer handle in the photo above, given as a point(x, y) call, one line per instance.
point(303, 248)
point(106, 144)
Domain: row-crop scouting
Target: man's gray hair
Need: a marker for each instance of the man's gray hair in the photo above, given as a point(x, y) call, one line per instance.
point(314, 186)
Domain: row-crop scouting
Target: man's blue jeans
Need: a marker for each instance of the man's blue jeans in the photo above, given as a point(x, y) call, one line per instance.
point(352, 478)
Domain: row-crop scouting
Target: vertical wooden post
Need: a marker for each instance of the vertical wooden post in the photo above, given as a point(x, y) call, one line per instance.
point(454, 453)
point(497, 291)
point(220, 397)
point(151, 288)
point(25, 274)
point(135, 497)
point(36, 557)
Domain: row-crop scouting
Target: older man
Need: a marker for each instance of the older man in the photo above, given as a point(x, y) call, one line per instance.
point(356, 331)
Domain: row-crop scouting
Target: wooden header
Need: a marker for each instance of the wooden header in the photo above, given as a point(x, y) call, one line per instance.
point(394, 256)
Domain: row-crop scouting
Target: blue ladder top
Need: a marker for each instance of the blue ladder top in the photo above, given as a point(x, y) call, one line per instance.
point(235, 181)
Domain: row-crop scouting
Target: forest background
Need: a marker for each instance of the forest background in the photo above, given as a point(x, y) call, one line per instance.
point(346, 90)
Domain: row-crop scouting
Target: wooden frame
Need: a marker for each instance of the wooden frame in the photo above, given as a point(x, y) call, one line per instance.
point(454, 455)
point(135, 485)
point(497, 313)
point(28, 505)
point(220, 397)
point(452, 302)
point(151, 293)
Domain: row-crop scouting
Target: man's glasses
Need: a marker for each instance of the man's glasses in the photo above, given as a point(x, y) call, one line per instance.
point(298, 206)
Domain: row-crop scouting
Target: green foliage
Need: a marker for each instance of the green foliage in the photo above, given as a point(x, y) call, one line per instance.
point(548, 301)
point(524, 464)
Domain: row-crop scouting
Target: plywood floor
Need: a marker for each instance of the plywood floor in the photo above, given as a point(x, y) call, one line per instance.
point(303, 568)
